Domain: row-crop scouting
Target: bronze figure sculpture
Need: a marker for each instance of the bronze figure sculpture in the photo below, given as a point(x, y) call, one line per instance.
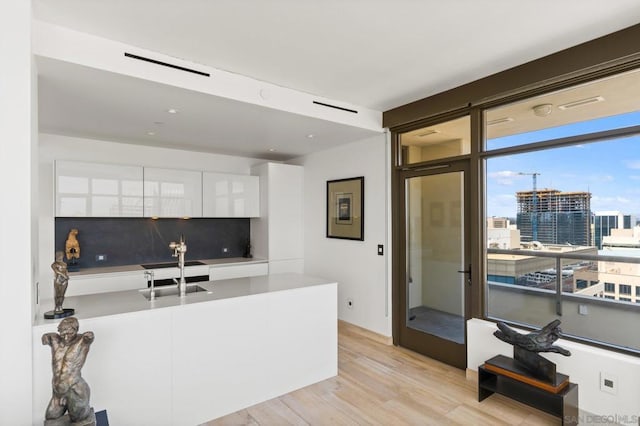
point(60, 280)
point(70, 392)
point(72, 249)
point(72, 246)
point(60, 283)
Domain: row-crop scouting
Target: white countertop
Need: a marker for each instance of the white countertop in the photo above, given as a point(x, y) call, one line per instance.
point(227, 261)
point(122, 302)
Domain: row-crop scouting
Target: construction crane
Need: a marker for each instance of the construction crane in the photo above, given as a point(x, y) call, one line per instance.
point(534, 216)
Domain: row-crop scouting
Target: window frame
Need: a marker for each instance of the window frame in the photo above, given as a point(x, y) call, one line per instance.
point(594, 137)
point(605, 56)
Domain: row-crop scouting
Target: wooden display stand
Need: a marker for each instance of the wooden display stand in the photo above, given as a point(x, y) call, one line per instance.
point(503, 375)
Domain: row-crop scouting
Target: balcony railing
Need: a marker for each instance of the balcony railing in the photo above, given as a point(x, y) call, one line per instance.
point(540, 293)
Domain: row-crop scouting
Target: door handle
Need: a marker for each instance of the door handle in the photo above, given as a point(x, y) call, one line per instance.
point(468, 272)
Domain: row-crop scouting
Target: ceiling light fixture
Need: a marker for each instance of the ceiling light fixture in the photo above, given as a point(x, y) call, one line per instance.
point(172, 111)
point(151, 133)
point(581, 102)
point(499, 121)
point(542, 110)
point(310, 136)
point(272, 150)
point(428, 132)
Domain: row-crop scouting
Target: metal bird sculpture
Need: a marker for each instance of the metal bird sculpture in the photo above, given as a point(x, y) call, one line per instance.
point(537, 341)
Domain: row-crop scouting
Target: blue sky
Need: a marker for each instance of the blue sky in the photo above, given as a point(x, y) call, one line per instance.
point(610, 170)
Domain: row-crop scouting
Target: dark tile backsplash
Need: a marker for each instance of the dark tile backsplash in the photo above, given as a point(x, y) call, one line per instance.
point(132, 241)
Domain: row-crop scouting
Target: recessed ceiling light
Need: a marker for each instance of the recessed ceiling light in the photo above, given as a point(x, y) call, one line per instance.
point(172, 111)
point(581, 102)
point(272, 150)
point(310, 136)
point(151, 133)
point(499, 121)
point(542, 110)
point(428, 132)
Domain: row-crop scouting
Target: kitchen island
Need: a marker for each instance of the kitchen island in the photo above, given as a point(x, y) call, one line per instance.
point(184, 361)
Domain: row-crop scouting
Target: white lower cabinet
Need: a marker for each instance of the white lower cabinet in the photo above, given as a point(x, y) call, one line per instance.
point(191, 363)
point(238, 271)
point(104, 283)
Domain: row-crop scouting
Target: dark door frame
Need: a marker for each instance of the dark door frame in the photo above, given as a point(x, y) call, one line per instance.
point(474, 295)
point(444, 350)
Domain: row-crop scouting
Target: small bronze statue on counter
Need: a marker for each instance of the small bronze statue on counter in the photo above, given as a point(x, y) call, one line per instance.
point(60, 283)
point(69, 404)
point(527, 346)
point(72, 249)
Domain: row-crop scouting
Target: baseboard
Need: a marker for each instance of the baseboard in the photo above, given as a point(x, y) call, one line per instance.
point(471, 374)
point(352, 328)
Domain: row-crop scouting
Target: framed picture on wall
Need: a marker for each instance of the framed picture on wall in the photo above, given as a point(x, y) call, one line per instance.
point(345, 208)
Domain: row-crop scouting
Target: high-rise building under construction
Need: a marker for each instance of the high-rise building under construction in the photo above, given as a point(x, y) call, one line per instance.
point(554, 217)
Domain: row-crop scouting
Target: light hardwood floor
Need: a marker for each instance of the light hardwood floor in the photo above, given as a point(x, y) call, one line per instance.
point(380, 384)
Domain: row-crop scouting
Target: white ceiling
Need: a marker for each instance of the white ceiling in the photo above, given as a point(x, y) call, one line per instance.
point(377, 54)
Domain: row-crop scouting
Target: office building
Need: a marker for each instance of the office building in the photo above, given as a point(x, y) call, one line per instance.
point(554, 217)
point(605, 221)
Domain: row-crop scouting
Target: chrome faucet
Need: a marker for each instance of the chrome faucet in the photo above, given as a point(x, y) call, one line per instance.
point(152, 291)
point(179, 249)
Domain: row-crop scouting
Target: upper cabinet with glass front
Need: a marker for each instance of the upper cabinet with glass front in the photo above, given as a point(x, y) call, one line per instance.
point(228, 195)
point(172, 193)
point(98, 190)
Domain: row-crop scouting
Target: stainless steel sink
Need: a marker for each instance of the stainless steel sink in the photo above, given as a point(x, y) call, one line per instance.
point(173, 291)
point(171, 264)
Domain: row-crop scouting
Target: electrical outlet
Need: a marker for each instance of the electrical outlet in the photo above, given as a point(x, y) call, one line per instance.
point(608, 383)
point(101, 257)
point(583, 309)
point(350, 303)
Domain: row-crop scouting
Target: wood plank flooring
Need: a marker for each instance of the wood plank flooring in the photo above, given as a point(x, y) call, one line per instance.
point(379, 384)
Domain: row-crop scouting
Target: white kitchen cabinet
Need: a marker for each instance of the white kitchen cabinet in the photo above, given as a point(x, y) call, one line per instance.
point(172, 193)
point(226, 195)
point(84, 189)
point(104, 283)
point(277, 234)
point(248, 341)
point(223, 272)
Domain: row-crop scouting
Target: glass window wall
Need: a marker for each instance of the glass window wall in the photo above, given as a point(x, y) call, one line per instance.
point(447, 139)
point(554, 165)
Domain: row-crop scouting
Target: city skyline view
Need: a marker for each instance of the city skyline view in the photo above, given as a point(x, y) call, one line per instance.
point(609, 170)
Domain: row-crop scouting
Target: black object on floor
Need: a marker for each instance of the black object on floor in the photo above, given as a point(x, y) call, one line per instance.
point(101, 418)
point(66, 312)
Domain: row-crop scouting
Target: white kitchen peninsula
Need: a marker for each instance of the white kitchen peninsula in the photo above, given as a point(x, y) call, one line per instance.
point(186, 361)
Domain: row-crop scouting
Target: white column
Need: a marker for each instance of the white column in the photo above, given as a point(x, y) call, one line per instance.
point(17, 121)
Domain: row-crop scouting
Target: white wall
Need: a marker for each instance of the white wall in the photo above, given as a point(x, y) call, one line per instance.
point(583, 367)
point(17, 271)
point(362, 275)
point(54, 147)
point(72, 46)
